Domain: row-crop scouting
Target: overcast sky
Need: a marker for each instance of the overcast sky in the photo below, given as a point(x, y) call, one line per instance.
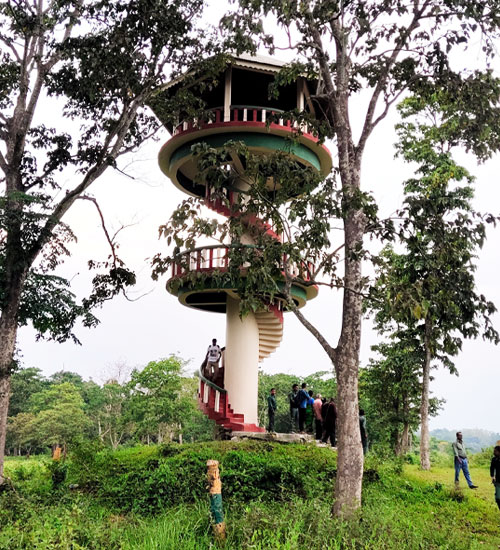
point(156, 325)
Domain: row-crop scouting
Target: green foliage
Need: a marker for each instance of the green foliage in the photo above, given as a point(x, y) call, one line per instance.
point(148, 479)
point(157, 403)
point(402, 511)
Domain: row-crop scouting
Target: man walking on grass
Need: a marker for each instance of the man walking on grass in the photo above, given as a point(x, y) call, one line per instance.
point(461, 461)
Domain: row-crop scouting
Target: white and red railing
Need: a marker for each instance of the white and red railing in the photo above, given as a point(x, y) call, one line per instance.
point(236, 114)
point(216, 258)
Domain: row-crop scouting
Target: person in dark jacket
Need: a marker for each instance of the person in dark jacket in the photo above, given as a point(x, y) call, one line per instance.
point(362, 429)
point(329, 414)
point(271, 409)
point(294, 408)
point(303, 398)
point(495, 473)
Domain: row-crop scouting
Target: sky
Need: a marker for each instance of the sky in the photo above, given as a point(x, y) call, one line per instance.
point(132, 333)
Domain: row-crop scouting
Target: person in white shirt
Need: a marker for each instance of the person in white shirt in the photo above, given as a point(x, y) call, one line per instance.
point(213, 357)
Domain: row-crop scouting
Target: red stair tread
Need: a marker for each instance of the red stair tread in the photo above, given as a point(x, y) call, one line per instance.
point(226, 416)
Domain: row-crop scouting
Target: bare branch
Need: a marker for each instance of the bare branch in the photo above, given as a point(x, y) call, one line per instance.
point(103, 225)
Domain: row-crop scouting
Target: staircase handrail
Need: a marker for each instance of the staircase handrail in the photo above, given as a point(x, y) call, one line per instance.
point(209, 382)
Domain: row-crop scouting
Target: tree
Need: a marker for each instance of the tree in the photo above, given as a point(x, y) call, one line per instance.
point(24, 383)
point(155, 397)
point(391, 389)
point(59, 415)
point(114, 423)
point(429, 289)
point(384, 49)
point(22, 434)
point(97, 63)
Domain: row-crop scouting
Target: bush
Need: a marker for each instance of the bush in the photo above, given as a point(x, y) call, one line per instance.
point(146, 479)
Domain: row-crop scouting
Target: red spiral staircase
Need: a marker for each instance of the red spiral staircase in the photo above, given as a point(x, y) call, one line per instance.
point(213, 399)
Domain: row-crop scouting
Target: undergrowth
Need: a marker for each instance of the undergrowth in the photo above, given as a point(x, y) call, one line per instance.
point(276, 498)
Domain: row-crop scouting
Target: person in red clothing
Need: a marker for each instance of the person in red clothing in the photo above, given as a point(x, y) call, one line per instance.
point(318, 419)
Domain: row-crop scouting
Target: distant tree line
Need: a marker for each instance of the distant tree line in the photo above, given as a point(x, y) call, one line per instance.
point(155, 404)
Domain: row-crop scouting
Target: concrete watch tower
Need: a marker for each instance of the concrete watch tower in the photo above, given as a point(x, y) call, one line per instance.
point(237, 109)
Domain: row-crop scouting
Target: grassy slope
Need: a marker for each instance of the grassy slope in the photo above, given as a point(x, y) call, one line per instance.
point(414, 510)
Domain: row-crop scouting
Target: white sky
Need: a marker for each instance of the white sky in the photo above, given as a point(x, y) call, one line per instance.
point(157, 325)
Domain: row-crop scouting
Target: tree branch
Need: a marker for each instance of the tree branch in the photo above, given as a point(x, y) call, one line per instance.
point(369, 124)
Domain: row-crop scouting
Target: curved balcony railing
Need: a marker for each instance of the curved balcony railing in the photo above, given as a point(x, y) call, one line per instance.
point(216, 258)
point(258, 116)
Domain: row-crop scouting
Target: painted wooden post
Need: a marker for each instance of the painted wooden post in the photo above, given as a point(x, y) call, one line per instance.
point(215, 491)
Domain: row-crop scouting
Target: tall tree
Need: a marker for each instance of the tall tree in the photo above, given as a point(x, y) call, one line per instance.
point(429, 288)
point(383, 49)
point(94, 64)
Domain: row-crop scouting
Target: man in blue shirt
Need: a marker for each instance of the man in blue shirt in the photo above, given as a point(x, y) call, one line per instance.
point(303, 398)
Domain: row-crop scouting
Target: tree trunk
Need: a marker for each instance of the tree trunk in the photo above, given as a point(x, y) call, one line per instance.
point(350, 451)
point(425, 460)
point(405, 438)
point(8, 333)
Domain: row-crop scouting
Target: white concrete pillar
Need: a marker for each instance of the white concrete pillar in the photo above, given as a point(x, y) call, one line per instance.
point(241, 375)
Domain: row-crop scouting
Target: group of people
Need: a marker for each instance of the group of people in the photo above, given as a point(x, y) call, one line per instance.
point(462, 464)
point(316, 415)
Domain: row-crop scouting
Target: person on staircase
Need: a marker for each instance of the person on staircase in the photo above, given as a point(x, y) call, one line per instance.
point(271, 409)
point(212, 358)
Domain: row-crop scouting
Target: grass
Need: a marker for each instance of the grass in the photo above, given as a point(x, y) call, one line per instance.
point(409, 510)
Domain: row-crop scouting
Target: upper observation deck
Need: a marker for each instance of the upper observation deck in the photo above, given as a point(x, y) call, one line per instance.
point(236, 104)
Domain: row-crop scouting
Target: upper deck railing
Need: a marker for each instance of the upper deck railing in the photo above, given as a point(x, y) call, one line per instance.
point(237, 114)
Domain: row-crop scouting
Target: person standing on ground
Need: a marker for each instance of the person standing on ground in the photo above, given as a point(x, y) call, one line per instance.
point(294, 407)
point(362, 429)
point(310, 412)
point(329, 415)
point(213, 356)
point(271, 409)
point(495, 473)
point(317, 416)
point(303, 398)
point(461, 461)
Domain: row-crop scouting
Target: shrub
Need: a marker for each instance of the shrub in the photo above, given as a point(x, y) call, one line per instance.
point(146, 479)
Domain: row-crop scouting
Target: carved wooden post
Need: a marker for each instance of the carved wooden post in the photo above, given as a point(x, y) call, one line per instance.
point(214, 489)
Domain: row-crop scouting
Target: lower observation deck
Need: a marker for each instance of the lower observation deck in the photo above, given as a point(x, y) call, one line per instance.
point(198, 279)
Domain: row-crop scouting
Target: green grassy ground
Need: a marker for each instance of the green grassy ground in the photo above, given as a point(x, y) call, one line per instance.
point(406, 510)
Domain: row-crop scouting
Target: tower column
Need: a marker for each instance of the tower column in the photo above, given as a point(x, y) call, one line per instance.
point(241, 374)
